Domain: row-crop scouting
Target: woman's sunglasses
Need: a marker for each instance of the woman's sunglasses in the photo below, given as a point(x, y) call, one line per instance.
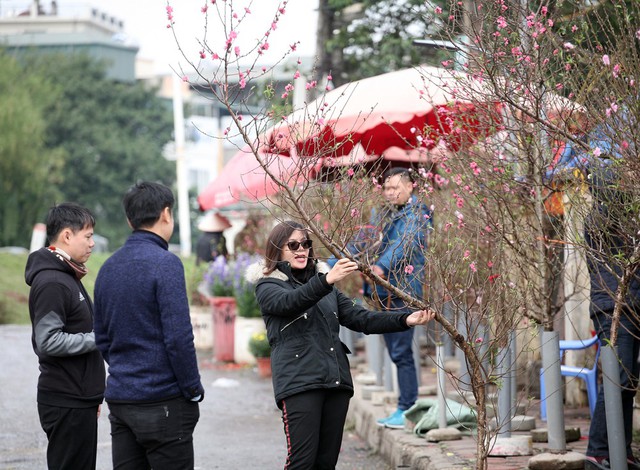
point(295, 245)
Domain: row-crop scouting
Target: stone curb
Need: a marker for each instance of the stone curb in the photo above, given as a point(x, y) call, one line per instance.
point(398, 447)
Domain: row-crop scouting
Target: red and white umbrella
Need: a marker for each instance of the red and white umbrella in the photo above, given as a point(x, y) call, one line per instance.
point(384, 111)
point(398, 116)
point(243, 179)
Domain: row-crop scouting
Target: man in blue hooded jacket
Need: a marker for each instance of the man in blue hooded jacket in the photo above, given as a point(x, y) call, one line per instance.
point(395, 243)
point(405, 225)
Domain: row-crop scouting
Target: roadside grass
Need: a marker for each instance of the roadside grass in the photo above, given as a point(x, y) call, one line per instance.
point(14, 292)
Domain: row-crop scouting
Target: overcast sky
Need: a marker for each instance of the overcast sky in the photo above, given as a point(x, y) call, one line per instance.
point(145, 22)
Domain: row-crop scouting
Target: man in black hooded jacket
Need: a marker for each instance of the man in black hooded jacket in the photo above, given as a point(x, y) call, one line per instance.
point(72, 374)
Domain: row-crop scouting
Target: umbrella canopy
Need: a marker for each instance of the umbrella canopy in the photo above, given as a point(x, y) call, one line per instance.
point(381, 117)
point(244, 179)
point(376, 113)
point(214, 222)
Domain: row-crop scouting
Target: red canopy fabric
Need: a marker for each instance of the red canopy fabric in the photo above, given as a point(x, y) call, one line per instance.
point(388, 110)
point(244, 179)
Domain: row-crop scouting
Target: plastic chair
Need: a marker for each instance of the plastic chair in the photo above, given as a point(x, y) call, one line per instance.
point(590, 376)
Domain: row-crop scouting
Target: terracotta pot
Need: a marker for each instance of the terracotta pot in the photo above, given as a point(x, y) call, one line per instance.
point(264, 366)
point(224, 317)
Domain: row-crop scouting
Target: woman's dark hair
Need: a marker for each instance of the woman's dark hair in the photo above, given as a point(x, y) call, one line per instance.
point(278, 238)
point(144, 203)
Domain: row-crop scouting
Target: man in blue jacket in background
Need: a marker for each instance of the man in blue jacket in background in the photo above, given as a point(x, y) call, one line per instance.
point(405, 225)
point(144, 333)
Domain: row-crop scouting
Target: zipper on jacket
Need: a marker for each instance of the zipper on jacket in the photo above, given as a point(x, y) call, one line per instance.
point(305, 314)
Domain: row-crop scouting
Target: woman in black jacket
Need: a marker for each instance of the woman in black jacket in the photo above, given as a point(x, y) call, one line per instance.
point(303, 312)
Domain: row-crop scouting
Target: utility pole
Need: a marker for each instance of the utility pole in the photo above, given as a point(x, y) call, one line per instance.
point(181, 171)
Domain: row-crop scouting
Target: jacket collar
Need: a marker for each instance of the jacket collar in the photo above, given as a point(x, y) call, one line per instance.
point(141, 234)
point(255, 272)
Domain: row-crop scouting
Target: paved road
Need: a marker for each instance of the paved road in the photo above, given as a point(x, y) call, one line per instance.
point(239, 428)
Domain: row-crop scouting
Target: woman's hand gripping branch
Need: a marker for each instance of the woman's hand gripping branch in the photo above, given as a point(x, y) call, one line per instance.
point(340, 270)
point(421, 317)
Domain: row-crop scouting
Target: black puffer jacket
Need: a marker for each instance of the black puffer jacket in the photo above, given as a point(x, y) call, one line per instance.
point(303, 323)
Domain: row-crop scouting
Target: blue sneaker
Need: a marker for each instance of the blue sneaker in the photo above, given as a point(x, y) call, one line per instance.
point(395, 414)
point(396, 420)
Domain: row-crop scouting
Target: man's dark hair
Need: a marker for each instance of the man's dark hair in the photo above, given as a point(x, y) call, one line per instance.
point(404, 173)
point(68, 215)
point(144, 202)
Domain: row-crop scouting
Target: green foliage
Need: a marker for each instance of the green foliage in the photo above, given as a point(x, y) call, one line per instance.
point(377, 41)
point(14, 292)
point(218, 278)
point(225, 278)
point(193, 277)
point(247, 304)
point(243, 291)
point(30, 173)
point(112, 134)
point(259, 345)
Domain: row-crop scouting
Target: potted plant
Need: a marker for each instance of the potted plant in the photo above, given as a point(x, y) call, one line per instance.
point(217, 284)
point(243, 290)
point(249, 319)
point(231, 295)
point(261, 350)
point(218, 279)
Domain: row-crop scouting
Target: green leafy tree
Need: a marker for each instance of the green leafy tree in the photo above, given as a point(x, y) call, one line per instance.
point(112, 134)
point(29, 170)
point(358, 39)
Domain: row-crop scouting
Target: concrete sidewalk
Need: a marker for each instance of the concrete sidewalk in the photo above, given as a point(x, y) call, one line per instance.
point(403, 449)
